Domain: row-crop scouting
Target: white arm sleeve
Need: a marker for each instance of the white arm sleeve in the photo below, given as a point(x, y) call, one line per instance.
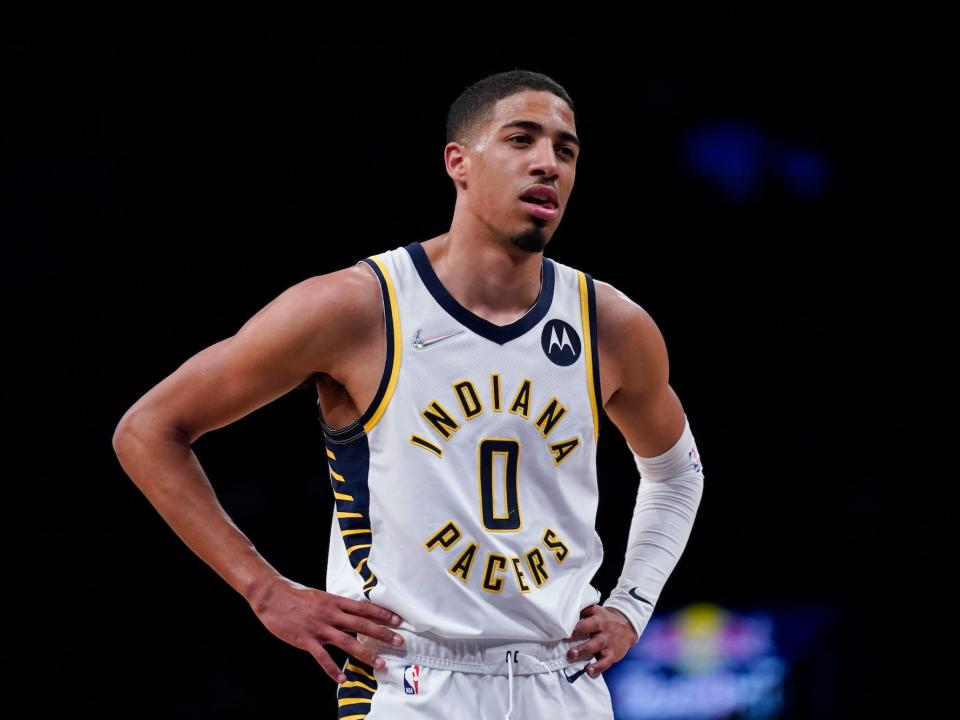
point(670, 488)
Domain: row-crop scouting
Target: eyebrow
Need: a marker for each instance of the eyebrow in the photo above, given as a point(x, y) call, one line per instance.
point(537, 127)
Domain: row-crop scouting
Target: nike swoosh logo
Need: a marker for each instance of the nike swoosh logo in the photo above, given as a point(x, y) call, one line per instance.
point(573, 678)
point(421, 342)
point(633, 593)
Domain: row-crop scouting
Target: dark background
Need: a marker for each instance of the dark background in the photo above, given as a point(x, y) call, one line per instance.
point(170, 169)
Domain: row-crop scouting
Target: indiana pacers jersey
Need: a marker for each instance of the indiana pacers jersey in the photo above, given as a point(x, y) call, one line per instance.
point(466, 494)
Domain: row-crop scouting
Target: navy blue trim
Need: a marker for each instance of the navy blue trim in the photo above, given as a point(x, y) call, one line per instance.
point(345, 434)
point(341, 435)
point(352, 463)
point(499, 334)
point(344, 711)
point(594, 348)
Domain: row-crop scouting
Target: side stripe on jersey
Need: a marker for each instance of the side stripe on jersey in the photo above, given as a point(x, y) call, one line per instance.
point(391, 368)
point(355, 696)
point(588, 312)
point(349, 478)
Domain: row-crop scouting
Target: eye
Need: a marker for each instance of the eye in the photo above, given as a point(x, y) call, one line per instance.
point(519, 137)
point(571, 153)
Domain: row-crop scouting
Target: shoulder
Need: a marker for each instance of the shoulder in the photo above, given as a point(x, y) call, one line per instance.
point(322, 316)
point(339, 297)
point(631, 347)
point(618, 312)
point(351, 293)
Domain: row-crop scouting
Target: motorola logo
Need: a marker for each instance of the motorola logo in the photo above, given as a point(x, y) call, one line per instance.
point(560, 343)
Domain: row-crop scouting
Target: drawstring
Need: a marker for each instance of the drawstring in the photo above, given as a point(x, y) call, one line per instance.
point(510, 684)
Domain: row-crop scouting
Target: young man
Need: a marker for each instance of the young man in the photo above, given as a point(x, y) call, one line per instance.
point(460, 384)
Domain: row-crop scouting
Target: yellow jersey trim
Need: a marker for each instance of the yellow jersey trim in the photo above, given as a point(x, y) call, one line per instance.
point(588, 352)
point(397, 348)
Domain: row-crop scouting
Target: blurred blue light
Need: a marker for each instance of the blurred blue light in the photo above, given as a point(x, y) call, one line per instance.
point(736, 156)
point(803, 170)
point(729, 154)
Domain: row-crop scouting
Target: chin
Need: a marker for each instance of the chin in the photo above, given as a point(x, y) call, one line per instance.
point(532, 239)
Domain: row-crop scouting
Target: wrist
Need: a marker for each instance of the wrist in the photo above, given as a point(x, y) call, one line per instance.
point(625, 621)
point(257, 588)
point(636, 614)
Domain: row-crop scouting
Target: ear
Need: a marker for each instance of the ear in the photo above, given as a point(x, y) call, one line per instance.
point(456, 161)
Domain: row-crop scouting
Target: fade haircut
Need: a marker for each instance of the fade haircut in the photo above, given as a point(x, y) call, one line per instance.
point(475, 104)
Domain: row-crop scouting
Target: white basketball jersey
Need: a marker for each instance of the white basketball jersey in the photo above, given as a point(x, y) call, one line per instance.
point(466, 494)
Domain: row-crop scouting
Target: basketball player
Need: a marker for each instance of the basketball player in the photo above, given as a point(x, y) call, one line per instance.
point(461, 383)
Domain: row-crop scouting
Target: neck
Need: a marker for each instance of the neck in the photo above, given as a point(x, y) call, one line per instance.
point(488, 276)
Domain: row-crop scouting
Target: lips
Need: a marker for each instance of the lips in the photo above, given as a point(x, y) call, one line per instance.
point(543, 212)
point(541, 201)
point(541, 195)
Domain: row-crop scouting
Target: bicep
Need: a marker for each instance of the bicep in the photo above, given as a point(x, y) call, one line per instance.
point(651, 421)
point(274, 351)
point(219, 385)
point(644, 406)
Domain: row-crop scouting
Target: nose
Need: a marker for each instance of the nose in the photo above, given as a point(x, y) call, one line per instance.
point(544, 159)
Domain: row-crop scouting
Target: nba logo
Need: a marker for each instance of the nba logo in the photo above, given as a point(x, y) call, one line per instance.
point(694, 460)
point(411, 679)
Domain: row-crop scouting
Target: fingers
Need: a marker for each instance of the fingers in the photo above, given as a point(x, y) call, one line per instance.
point(354, 647)
point(369, 610)
point(608, 640)
point(587, 625)
point(361, 616)
point(326, 662)
point(371, 629)
point(585, 628)
point(585, 650)
point(606, 661)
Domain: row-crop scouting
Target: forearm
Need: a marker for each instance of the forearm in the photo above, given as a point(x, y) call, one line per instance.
point(667, 500)
point(163, 465)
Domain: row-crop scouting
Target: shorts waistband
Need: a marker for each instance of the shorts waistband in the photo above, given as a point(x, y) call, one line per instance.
point(490, 657)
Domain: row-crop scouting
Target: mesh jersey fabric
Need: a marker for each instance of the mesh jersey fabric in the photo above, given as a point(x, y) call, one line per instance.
point(466, 493)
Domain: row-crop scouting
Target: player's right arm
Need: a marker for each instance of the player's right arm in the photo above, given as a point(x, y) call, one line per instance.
point(312, 327)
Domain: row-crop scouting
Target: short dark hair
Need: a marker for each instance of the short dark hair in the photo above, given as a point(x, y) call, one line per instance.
point(475, 104)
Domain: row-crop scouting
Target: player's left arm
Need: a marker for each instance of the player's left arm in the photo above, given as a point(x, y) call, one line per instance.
point(634, 374)
point(637, 397)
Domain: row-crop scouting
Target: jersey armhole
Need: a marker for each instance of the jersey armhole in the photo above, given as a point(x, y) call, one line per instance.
point(391, 368)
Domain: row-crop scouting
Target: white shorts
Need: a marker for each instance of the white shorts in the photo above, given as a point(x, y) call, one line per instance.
point(431, 678)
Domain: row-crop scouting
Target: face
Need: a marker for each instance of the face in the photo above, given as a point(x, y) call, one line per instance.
point(516, 174)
